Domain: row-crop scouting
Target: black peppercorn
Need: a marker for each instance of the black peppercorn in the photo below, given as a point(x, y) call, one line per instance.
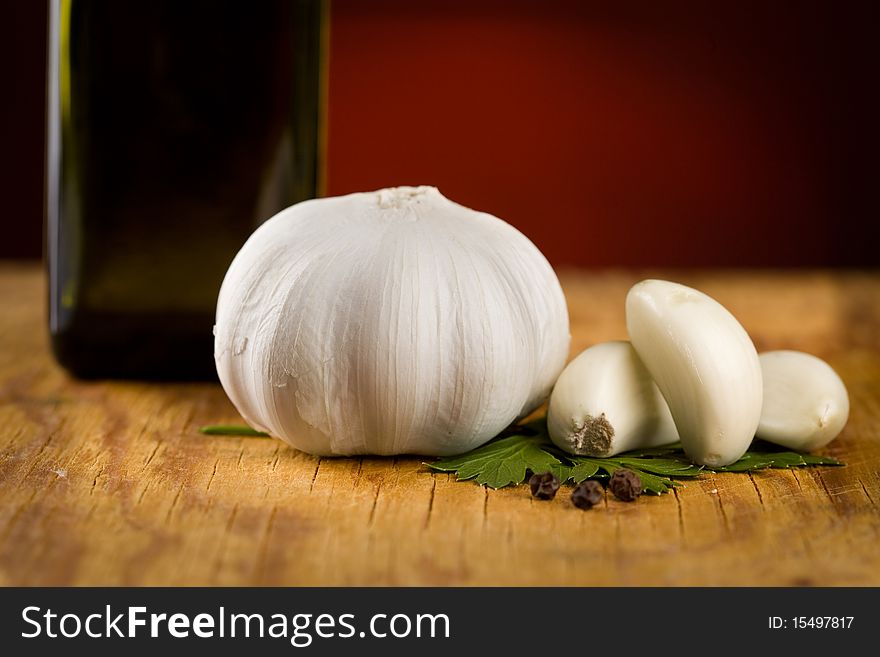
point(587, 495)
point(625, 484)
point(544, 486)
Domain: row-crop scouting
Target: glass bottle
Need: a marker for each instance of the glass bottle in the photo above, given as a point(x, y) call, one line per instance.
point(174, 129)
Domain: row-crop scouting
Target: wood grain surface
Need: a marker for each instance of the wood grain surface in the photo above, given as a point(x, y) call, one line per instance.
point(110, 483)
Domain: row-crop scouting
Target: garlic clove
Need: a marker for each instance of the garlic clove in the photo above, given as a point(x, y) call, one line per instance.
point(805, 401)
point(705, 365)
point(605, 402)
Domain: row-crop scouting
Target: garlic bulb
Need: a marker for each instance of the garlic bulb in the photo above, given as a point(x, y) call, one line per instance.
point(605, 402)
point(805, 402)
point(388, 322)
point(704, 364)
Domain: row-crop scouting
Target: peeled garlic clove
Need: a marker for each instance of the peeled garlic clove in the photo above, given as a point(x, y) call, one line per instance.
point(805, 401)
point(704, 364)
point(605, 402)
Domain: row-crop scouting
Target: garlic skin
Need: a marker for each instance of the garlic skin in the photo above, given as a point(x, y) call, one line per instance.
point(705, 365)
point(605, 402)
point(805, 401)
point(388, 322)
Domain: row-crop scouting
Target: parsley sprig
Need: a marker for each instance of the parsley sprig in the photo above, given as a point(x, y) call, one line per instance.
point(507, 460)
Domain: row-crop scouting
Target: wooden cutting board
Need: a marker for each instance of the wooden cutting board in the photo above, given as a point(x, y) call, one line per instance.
point(109, 483)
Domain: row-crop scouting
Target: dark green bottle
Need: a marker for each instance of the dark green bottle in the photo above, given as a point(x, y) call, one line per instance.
point(174, 129)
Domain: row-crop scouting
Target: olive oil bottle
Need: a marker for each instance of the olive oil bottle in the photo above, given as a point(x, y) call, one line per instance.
point(174, 129)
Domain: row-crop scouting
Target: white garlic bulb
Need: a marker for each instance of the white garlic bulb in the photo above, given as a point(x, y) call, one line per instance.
point(388, 322)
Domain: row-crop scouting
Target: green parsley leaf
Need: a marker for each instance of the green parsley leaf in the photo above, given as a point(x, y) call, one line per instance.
point(584, 470)
point(231, 430)
point(501, 462)
point(651, 483)
point(508, 460)
point(757, 460)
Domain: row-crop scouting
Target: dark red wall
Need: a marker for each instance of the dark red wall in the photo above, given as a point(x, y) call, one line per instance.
point(696, 133)
point(22, 102)
point(638, 133)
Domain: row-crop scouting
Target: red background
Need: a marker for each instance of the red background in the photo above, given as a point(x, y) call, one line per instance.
point(683, 134)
